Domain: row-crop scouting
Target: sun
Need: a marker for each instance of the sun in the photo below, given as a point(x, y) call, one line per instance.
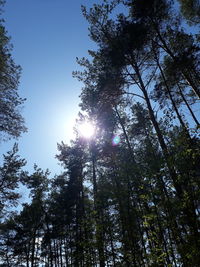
point(86, 129)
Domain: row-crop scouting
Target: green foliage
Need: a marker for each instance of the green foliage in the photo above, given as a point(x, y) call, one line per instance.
point(11, 175)
point(190, 10)
point(11, 121)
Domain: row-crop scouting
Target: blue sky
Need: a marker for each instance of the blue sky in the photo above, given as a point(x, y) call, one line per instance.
point(47, 36)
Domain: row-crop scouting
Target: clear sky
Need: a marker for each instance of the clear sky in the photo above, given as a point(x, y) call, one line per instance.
point(47, 36)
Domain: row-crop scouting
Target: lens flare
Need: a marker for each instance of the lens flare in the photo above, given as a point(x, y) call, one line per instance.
point(116, 140)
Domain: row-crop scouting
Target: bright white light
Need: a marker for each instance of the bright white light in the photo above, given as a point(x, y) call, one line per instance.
point(86, 129)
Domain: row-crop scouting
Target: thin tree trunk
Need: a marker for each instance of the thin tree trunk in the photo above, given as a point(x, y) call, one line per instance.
point(99, 234)
point(112, 247)
point(159, 134)
point(184, 72)
point(188, 106)
point(125, 134)
point(33, 249)
point(171, 97)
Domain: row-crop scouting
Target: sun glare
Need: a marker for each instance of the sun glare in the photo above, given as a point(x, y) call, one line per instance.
point(86, 129)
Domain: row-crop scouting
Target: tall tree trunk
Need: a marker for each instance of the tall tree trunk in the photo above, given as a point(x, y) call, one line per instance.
point(170, 95)
point(188, 106)
point(99, 232)
point(125, 134)
point(171, 54)
point(159, 134)
point(33, 249)
point(188, 210)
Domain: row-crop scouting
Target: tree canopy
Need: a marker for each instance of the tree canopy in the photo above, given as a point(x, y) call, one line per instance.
point(11, 120)
point(129, 194)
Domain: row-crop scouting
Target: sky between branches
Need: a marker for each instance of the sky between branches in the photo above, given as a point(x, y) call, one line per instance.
point(47, 36)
